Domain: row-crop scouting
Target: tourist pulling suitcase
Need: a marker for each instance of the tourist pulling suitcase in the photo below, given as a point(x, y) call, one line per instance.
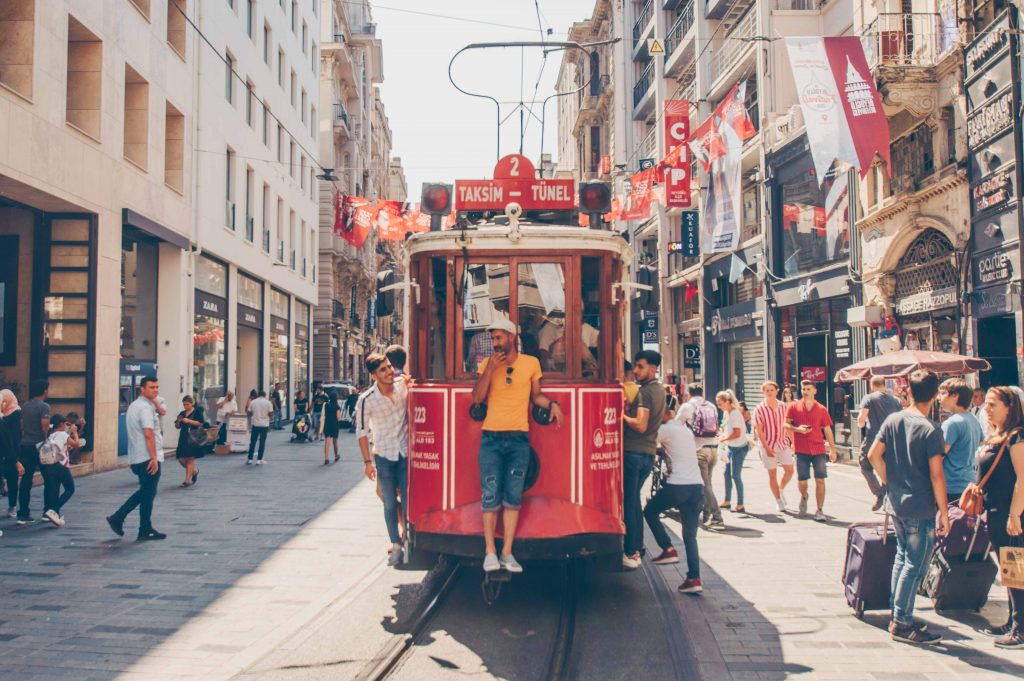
point(867, 575)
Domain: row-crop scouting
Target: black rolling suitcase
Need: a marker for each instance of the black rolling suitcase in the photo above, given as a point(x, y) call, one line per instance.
point(867, 574)
point(961, 581)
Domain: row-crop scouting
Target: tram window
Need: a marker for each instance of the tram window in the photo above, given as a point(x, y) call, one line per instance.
point(542, 313)
point(436, 318)
point(485, 299)
point(590, 291)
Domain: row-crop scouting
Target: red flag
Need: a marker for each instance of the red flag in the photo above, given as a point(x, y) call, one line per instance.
point(616, 211)
point(641, 194)
point(690, 292)
point(706, 142)
point(860, 99)
point(362, 221)
point(389, 220)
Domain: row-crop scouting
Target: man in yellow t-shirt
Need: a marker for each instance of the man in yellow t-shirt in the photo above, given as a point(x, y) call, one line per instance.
point(509, 382)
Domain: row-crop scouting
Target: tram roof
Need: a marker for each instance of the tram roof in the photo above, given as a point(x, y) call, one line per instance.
point(532, 238)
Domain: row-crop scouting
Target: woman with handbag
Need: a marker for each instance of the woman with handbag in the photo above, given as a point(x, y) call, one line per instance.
point(1001, 482)
point(733, 434)
point(191, 422)
point(332, 426)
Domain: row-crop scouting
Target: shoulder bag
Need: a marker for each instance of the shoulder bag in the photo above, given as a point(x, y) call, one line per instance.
point(972, 500)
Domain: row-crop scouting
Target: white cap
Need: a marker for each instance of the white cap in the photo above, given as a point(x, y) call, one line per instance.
point(504, 325)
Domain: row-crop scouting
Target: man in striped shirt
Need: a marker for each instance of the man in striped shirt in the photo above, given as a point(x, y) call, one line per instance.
point(770, 426)
point(381, 412)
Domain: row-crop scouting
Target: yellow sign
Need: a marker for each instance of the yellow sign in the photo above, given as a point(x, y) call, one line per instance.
point(654, 46)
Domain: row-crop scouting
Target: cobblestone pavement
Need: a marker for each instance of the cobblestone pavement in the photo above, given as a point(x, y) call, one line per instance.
point(253, 554)
point(773, 606)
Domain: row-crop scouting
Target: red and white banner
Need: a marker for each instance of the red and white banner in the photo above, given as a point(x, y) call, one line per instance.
point(841, 105)
point(640, 197)
point(674, 169)
point(707, 143)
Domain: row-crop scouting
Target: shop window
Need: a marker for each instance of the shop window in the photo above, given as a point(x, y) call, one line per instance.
point(17, 29)
point(174, 149)
point(815, 220)
point(485, 292)
point(250, 292)
point(176, 10)
point(211, 276)
point(84, 79)
point(542, 316)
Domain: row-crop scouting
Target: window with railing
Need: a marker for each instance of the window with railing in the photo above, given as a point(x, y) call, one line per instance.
point(642, 19)
point(681, 26)
point(908, 39)
point(913, 159)
point(643, 83)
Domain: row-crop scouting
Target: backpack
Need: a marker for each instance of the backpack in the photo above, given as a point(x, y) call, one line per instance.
point(704, 422)
point(49, 452)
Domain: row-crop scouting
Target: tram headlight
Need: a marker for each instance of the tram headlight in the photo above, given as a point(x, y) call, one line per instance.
point(595, 201)
point(436, 199)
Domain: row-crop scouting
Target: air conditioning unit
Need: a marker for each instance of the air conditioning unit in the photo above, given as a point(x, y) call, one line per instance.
point(864, 316)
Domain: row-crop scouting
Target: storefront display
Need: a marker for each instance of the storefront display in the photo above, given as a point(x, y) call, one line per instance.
point(209, 341)
point(301, 351)
point(249, 365)
point(279, 342)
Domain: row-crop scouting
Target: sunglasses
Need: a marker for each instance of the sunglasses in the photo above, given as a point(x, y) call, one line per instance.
point(508, 375)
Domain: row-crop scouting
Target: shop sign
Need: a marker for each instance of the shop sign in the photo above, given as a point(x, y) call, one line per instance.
point(248, 316)
point(691, 357)
point(995, 301)
point(997, 72)
point(994, 268)
point(650, 327)
point(993, 231)
point(279, 325)
point(735, 322)
point(371, 314)
point(842, 343)
point(993, 192)
point(210, 305)
point(646, 163)
point(816, 374)
point(301, 332)
point(691, 233)
point(987, 45)
point(990, 120)
point(927, 301)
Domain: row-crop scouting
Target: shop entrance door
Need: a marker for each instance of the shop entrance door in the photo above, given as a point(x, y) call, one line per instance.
point(815, 363)
point(250, 360)
point(997, 340)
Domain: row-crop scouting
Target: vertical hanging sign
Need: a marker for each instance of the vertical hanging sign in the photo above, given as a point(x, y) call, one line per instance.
point(677, 154)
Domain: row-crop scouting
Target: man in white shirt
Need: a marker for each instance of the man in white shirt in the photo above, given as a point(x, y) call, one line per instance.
point(707, 447)
point(260, 410)
point(381, 412)
point(682, 489)
point(145, 454)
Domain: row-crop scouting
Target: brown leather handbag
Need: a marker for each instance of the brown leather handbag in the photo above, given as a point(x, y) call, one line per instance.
point(972, 500)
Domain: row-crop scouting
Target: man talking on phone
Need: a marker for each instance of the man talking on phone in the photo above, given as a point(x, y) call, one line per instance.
point(509, 383)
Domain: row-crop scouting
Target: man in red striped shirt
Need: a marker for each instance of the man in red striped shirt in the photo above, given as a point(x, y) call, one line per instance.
point(770, 426)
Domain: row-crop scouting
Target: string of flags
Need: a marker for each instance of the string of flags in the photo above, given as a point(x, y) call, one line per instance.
point(355, 217)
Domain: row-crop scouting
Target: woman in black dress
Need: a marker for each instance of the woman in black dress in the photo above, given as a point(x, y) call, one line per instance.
point(1004, 496)
point(332, 425)
point(189, 419)
point(10, 436)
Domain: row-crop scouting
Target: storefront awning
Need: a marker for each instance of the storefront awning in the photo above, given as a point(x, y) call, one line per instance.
point(154, 229)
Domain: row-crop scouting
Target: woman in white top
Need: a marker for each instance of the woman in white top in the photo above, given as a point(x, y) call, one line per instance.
point(226, 406)
point(732, 434)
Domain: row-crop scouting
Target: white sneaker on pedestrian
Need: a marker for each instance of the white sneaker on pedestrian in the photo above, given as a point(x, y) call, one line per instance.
point(803, 505)
point(53, 518)
point(260, 462)
point(395, 557)
point(780, 505)
point(819, 516)
point(248, 462)
point(782, 498)
point(630, 562)
point(510, 564)
point(12, 512)
point(491, 563)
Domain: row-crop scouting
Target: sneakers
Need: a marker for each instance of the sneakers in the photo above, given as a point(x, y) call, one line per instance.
point(25, 520)
point(54, 518)
point(248, 462)
point(631, 562)
point(913, 634)
point(716, 524)
point(260, 462)
point(395, 555)
point(491, 563)
point(691, 586)
point(12, 512)
point(151, 535)
point(803, 505)
point(782, 498)
point(996, 631)
point(879, 500)
point(780, 505)
point(1010, 641)
point(667, 557)
point(116, 525)
point(510, 564)
point(819, 516)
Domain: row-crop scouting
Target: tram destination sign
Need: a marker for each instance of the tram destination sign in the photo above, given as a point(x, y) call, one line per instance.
point(515, 181)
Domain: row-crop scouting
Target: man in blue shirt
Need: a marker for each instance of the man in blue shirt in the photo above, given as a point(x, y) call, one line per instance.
point(962, 433)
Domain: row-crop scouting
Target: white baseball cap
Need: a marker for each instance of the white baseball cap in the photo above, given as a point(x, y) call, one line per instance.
point(503, 325)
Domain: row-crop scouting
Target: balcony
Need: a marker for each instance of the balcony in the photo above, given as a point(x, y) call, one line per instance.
point(649, 146)
point(342, 127)
point(679, 42)
point(229, 218)
point(902, 51)
point(642, 20)
point(643, 92)
point(736, 46)
point(726, 10)
point(250, 228)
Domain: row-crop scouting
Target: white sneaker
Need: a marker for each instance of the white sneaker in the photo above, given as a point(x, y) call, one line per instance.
point(260, 462)
point(819, 516)
point(510, 564)
point(53, 518)
point(782, 497)
point(630, 562)
point(248, 462)
point(780, 505)
point(12, 512)
point(396, 555)
point(803, 505)
point(491, 563)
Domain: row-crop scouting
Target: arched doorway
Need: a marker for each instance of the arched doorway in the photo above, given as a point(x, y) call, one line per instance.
point(926, 298)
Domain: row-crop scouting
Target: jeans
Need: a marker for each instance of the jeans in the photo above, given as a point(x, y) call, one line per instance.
point(504, 458)
point(142, 498)
point(29, 458)
point(258, 433)
point(222, 433)
point(689, 499)
point(734, 473)
point(393, 477)
point(275, 420)
point(706, 459)
point(55, 476)
point(915, 539)
point(876, 487)
point(636, 467)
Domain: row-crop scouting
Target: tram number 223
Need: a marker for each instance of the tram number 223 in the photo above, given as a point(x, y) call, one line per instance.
point(609, 416)
point(419, 415)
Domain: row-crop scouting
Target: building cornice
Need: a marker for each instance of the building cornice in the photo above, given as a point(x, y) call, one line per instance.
point(911, 202)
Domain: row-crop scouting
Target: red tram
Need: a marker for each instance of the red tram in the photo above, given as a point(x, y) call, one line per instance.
point(562, 285)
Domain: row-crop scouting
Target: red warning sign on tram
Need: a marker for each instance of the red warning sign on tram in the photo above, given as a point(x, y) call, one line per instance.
point(515, 181)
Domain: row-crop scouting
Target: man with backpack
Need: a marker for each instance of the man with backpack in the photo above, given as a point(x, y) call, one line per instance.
point(701, 417)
